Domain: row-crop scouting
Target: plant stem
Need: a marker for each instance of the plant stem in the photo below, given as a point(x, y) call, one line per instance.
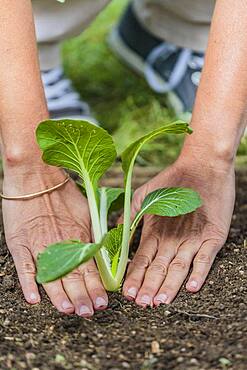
point(108, 280)
point(101, 259)
point(123, 260)
point(94, 213)
point(103, 211)
point(133, 228)
point(135, 223)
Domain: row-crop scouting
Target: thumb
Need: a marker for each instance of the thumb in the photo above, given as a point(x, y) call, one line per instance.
point(136, 203)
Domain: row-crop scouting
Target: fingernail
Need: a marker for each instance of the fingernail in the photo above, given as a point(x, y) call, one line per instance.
point(100, 302)
point(33, 297)
point(132, 292)
point(193, 284)
point(161, 298)
point(66, 305)
point(85, 310)
point(145, 299)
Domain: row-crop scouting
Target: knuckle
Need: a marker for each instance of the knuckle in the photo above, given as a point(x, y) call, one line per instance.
point(167, 289)
point(150, 238)
point(203, 258)
point(56, 298)
point(179, 264)
point(141, 261)
point(136, 195)
point(131, 281)
point(216, 245)
point(89, 272)
point(73, 276)
point(55, 292)
point(98, 291)
point(159, 266)
point(137, 199)
point(18, 249)
point(217, 233)
point(26, 269)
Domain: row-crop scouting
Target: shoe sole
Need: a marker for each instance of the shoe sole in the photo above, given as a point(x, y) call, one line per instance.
point(136, 63)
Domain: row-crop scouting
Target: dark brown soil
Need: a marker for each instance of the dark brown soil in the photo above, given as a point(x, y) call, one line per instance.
point(203, 331)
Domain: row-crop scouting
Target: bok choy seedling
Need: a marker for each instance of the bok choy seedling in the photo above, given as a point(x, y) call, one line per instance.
point(89, 151)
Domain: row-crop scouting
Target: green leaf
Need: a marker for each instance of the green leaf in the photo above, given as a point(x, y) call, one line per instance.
point(61, 258)
point(114, 198)
point(76, 145)
point(82, 147)
point(130, 154)
point(112, 240)
point(112, 243)
point(128, 160)
point(110, 199)
point(170, 202)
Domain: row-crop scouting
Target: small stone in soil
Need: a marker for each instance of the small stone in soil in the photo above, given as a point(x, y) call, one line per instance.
point(194, 361)
point(155, 347)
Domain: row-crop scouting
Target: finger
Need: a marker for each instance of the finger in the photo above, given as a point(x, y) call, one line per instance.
point(177, 272)
point(26, 271)
point(137, 200)
point(94, 285)
point(76, 290)
point(155, 276)
point(136, 203)
point(202, 265)
point(58, 297)
point(138, 266)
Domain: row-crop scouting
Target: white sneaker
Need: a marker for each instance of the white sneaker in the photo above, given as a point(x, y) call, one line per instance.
point(62, 100)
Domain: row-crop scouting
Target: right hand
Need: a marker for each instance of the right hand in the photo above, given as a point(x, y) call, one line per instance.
point(169, 246)
point(31, 225)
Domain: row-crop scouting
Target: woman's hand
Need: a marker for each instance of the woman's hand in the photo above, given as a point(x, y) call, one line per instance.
point(170, 246)
point(30, 225)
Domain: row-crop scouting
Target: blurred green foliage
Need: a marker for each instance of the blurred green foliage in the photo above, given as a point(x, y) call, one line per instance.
point(120, 100)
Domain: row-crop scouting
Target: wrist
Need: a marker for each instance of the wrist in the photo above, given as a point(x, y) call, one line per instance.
point(208, 155)
point(194, 163)
point(18, 143)
point(18, 155)
point(29, 178)
point(28, 164)
point(18, 162)
point(209, 149)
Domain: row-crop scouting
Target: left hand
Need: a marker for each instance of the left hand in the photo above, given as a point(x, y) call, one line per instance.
point(169, 246)
point(31, 225)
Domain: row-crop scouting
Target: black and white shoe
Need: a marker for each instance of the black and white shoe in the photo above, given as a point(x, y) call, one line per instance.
point(167, 68)
point(62, 100)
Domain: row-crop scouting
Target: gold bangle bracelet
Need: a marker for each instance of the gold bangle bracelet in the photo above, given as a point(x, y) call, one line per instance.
point(35, 195)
